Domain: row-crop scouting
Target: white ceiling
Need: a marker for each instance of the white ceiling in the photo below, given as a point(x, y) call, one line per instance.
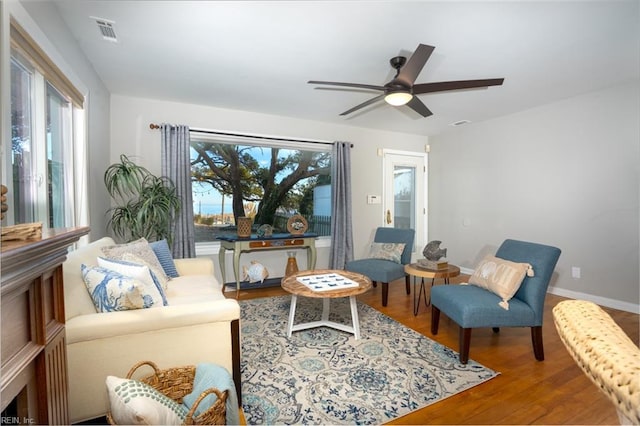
point(258, 56)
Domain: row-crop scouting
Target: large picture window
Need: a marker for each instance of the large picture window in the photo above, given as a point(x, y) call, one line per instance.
point(264, 181)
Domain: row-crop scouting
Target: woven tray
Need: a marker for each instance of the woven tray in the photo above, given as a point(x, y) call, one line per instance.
point(176, 383)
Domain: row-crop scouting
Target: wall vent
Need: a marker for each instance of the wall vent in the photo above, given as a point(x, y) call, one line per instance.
point(106, 29)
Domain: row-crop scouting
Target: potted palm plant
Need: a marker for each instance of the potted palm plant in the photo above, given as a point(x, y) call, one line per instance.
point(147, 205)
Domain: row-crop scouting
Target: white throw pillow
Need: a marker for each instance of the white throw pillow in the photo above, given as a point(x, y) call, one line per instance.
point(142, 250)
point(135, 403)
point(140, 272)
point(500, 277)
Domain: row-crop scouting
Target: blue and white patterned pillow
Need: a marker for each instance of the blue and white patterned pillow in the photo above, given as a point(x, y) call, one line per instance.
point(140, 272)
point(387, 251)
point(112, 291)
point(163, 253)
point(135, 403)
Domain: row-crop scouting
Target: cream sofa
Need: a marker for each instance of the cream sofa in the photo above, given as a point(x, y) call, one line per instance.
point(198, 325)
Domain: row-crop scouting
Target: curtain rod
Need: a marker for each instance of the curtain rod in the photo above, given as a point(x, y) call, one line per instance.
point(153, 126)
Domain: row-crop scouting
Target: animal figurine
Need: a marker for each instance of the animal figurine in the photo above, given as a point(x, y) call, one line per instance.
point(433, 252)
point(255, 272)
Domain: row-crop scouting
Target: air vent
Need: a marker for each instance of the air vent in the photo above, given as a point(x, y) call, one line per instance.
point(106, 29)
point(460, 123)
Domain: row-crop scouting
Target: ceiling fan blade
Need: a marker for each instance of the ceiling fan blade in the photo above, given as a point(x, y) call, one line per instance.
point(443, 86)
point(417, 105)
point(414, 65)
point(364, 104)
point(356, 85)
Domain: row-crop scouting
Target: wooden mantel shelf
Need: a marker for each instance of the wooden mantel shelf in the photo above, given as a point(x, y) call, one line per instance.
point(33, 375)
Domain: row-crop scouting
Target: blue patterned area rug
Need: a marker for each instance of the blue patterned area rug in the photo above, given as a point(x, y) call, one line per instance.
point(325, 376)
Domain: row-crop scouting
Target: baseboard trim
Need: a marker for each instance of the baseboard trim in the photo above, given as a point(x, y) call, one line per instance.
point(598, 300)
point(634, 308)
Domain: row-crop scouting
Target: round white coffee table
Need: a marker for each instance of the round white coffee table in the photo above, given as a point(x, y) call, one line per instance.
point(296, 288)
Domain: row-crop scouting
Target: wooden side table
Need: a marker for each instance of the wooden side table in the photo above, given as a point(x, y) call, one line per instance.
point(417, 271)
point(296, 288)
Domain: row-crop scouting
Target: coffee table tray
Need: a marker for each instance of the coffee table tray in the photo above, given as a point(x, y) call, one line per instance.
point(327, 282)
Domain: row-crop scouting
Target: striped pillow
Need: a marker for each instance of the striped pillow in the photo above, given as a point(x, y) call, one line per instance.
point(161, 249)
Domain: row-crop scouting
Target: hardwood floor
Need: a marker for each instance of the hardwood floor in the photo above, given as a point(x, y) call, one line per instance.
point(553, 391)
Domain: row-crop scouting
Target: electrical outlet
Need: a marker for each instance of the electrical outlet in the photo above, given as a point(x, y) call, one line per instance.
point(575, 272)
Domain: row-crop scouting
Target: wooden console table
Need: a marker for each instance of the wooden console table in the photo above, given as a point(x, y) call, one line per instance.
point(33, 379)
point(241, 245)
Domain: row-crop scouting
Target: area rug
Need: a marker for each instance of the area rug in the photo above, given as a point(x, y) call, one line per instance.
point(325, 376)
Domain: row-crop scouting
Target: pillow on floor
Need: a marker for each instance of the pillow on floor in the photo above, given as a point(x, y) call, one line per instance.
point(140, 272)
point(387, 251)
point(163, 253)
point(112, 291)
point(501, 277)
point(142, 250)
point(135, 403)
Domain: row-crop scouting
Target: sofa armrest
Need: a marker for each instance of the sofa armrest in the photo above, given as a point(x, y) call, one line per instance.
point(194, 266)
point(105, 325)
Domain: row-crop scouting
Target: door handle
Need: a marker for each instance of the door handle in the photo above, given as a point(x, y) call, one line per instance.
point(388, 217)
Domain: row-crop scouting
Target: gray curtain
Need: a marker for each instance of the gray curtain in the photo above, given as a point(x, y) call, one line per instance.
point(176, 165)
point(341, 226)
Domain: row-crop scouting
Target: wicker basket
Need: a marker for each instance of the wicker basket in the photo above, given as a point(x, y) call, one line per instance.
point(176, 383)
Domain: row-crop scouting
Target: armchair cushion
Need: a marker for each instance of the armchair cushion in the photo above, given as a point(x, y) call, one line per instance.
point(387, 251)
point(480, 307)
point(384, 271)
point(500, 277)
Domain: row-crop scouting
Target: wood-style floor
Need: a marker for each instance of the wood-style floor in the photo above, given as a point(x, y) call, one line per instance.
point(553, 391)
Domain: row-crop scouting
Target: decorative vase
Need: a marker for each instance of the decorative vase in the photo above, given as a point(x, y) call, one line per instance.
point(292, 265)
point(244, 227)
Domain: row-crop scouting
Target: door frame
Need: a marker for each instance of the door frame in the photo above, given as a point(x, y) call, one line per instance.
point(422, 238)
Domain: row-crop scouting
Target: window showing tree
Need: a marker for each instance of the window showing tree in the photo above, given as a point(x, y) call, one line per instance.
point(267, 183)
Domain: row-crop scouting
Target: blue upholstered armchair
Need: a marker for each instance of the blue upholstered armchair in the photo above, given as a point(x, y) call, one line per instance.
point(386, 271)
point(470, 306)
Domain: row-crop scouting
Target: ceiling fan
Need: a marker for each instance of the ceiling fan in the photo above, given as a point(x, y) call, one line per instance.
point(402, 90)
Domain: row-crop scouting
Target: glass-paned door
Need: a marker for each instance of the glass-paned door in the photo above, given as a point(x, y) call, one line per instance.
point(405, 193)
point(404, 197)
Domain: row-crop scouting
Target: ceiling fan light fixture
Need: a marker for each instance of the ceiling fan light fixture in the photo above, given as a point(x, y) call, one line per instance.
point(398, 98)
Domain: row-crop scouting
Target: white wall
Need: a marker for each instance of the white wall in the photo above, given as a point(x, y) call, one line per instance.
point(564, 174)
point(130, 135)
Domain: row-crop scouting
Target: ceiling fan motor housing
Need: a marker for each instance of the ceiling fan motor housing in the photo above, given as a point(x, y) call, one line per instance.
point(394, 87)
point(397, 62)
